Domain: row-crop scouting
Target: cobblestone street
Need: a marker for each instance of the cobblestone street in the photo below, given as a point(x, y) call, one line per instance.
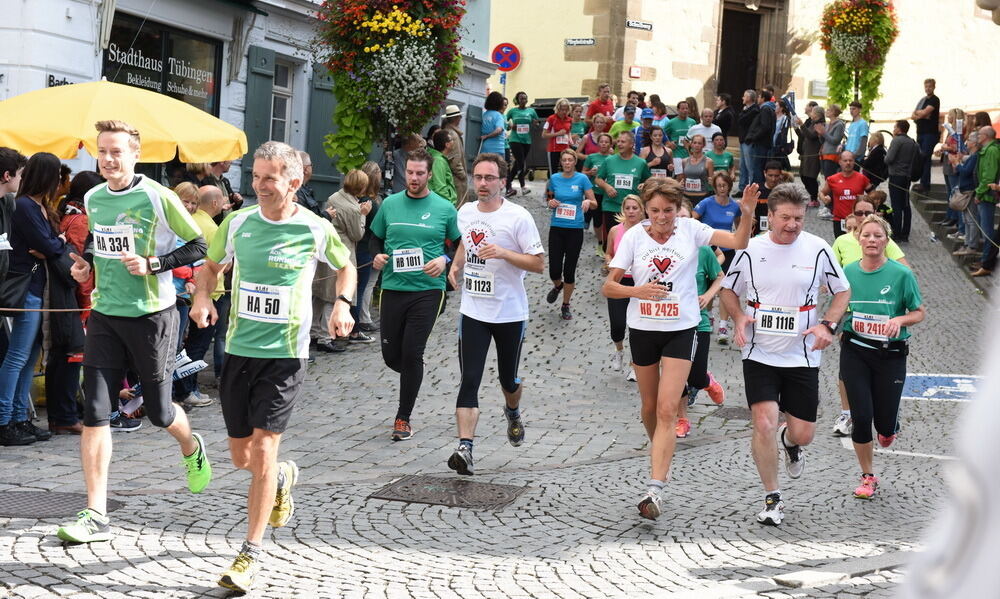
point(573, 532)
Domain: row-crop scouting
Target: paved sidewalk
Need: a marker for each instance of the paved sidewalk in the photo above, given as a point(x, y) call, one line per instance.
point(574, 532)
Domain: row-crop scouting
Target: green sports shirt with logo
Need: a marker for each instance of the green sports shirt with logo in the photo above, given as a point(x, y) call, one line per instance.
point(145, 219)
point(273, 267)
point(877, 296)
point(414, 230)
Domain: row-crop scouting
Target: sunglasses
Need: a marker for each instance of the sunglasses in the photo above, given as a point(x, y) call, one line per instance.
point(863, 212)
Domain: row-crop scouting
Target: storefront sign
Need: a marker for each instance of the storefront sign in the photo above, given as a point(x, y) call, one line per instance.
point(818, 89)
point(580, 41)
point(52, 81)
point(634, 24)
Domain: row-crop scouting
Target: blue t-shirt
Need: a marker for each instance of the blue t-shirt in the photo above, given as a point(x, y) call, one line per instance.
point(855, 131)
point(717, 216)
point(492, 120)
point(569, 191)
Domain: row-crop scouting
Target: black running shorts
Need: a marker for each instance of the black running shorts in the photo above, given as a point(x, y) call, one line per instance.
point(146, 345)
point(259, 393)
point(795, 389)
point(649, 346)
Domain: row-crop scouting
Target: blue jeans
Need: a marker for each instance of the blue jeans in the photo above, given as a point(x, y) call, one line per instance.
point(745, 165)
point(17, 370)
point(927, 142)
point(757, 162)
point(987, 210)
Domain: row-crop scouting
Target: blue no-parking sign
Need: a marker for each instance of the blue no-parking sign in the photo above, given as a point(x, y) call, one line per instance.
point(506, 56)
point(941, 387)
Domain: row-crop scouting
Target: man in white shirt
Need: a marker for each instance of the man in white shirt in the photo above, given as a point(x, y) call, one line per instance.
point(706, 127)
point(780, 274)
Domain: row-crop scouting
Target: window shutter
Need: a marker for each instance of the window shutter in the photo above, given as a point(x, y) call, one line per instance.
point(473, 129)
point(326, 178)
point(257, 113)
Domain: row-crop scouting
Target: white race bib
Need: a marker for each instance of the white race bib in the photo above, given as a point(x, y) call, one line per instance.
point(264, 303)
point(692, 185)
point(764, 225)
point(870, 326)
point(658, 172)
point(478, 282)
point(623, 181)
point(522, 129)
point(111, 240)
point(665, 310)
point(567, 211)
point(562, 139)
point(779, 321)
point(408, 260)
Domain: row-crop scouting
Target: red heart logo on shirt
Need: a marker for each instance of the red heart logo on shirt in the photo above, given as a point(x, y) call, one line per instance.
point(662, 264)
point(477, 237)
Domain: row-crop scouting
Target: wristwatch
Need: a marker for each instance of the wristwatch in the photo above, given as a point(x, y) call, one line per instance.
point(154, 264)
point(830, 325)
point(345, 300)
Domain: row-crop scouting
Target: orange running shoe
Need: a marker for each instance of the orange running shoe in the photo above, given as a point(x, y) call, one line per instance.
point(869, 482)
point(683, 427)
point(401, 430)
point(715, 391)
point(886, 441)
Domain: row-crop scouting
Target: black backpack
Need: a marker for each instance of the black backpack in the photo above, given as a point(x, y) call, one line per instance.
point(6, 216)
point(917, 164)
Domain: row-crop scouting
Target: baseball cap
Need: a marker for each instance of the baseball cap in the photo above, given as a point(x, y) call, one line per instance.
point(647, 113)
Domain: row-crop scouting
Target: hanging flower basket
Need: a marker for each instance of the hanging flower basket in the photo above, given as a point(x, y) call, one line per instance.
point(857, 35)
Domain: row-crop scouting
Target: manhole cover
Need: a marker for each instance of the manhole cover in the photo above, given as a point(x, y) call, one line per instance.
point(454, 492)
point(46, 504)
point(734, 413)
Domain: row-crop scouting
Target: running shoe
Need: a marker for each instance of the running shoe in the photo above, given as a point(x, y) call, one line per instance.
point(510, 193)
point(649, 507)
point(866, 490)
point(401, 430)
point(240, 576)
point(553, 294)
point(824, 213)
point(886, 441)
point(692, 396)
point(683, 428)
point(525, 191)
point(515, 429)
point(795, 456)
point(715, 391)
point(616, 360)
point(284, 506)
point(123, 424)
point(631, 375)
point(461, 460)
point(723, 338)
point(773, 512)
point(199, 469)
point(565, 312)
point(843, 427)
point(600, 254)
point(360, 337)
point(196, 400)
point(88, 528)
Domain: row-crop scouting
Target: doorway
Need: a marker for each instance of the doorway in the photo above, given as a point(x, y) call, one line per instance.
point(738, 56)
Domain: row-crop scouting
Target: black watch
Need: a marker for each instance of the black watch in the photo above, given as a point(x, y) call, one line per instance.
point(345, 300)
point(830, 325)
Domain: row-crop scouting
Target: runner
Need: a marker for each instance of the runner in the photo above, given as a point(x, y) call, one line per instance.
point(722, 159)
point(841, 189)
point(557, 131)
point(499, 244)
point(708, 278)
point(720, 212)
point(885, 300)
point(602, 104)
point(519, 120)
point(697, 170)
point(274, 248)
point(409, 232)
point(677, 131)
point(571, 196)
point(632, 214)
point(780, 274)
point(591, 151)
point(619, 176)
point(134, 225)
point(657, 155)
point(663, 312)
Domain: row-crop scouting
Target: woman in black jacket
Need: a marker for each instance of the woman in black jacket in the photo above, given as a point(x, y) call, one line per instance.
point(874, 166)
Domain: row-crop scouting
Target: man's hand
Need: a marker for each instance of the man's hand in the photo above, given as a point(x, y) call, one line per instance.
point(823, 336)
point(453, 278)
point(751, 195)
point(378, 262)
point(611, 192)
point(136, 265)
point(80, 271)
point(203, 312)
point(341, 323)
point(492, 250)
point(740, 322)
point(435, 267)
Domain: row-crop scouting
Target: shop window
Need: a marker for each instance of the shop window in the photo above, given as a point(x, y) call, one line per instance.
point(281, 101)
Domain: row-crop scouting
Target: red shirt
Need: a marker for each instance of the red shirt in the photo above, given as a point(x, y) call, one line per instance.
point(606, 108)
point(553, 124)
point(844, 191)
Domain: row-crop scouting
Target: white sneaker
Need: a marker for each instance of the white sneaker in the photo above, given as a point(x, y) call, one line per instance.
point(773, 512)
point(195, 400)
point(631, 375)
point(824, 213)
point(723, 338)
point(649, 507)
point(795, 456)
point(843, 427)
point(616, 360)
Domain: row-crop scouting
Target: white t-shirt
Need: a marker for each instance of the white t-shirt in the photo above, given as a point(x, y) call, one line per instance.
point(782, 279)
point(675, 263)
point(708, 132)
point(493, 290)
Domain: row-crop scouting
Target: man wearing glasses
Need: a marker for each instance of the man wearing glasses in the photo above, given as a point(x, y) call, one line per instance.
point(840, 191)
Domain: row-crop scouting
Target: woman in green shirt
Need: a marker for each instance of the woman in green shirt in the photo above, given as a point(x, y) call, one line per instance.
point(519, 121)
point(885, 300)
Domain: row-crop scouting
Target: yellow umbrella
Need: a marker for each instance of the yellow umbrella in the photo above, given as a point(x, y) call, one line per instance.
point(59, 119)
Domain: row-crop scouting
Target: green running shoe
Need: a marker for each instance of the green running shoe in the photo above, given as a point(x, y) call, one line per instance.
point(88, 528)
point(240, 576)
point(199, 470)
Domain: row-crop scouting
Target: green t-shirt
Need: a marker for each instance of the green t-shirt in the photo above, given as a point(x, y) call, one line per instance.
point(521, 119)
point(675, 130)
point(146, 219)
point(414, 230)
point(877, 296)
point(273, 267)
point(620, 126)
point(578, 128)
point(708, 270)
point(595, 160)
point(624, 175)
point(721, 162)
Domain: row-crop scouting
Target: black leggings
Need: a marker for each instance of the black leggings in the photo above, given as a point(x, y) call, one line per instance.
point(874, 383)
point(564, 252)
point(617, 313)
point(698, 376)
point(101, 387)
point(812, 186)
point(520, 167)
point(473, 346)
point(407, 321)
point(554, 167)
point(608, 222)
point(594, 215)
